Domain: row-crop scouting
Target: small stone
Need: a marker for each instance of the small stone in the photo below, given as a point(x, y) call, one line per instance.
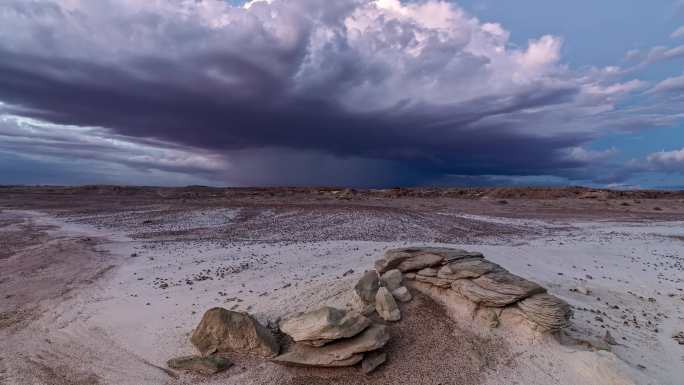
point(583, 290)
point(391, 279)
point(608, 338)
point(203, 365)
point(386, 306)
point(402, 294)
point(372, 360)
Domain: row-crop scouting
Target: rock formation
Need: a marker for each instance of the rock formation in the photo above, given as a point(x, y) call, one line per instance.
point(486, 286)
point(330, 337)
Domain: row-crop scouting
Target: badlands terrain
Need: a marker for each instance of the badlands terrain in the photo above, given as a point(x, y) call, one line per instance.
point(105, 284)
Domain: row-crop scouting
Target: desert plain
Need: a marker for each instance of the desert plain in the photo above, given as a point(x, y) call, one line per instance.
point(104, 284)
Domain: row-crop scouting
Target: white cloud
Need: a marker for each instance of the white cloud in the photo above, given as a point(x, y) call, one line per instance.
point(679, 32)
point(669, 85)
point(42, 140)
point(668, 160)
point(588, 156)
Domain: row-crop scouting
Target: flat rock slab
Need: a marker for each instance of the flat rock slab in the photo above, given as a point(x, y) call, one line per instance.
point(416, 258)
point(548, 311)
point(506, 283)
point(203, 365)
point(339, 353)
point(427, 272)
point(324, 325)
point(439, 282)
point(468, 268)
point(481, 296)
point(223, 330)
point(420, 261)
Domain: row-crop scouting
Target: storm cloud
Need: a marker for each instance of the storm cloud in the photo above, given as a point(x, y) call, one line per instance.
point(302, 91)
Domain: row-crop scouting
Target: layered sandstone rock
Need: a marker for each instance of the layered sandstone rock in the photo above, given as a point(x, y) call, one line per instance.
point(326, 324)
point(343, 352)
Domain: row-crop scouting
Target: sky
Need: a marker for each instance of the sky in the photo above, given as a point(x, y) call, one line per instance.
point(361, 93)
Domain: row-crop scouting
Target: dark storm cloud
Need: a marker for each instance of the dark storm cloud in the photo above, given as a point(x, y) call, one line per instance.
point(215, 118)
point(399, 93)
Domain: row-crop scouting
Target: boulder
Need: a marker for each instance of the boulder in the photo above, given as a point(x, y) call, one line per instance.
point(506, 283)
point(467, 268)
point(372, 360)
point(402, 294)
point(202, 365)
point(481, 296)
point(222, 330)
point(368, 286)
point(386, 306)
point(345, 352)
point(427, 272)
point(548, 311)
point(391, 279)
point(326, 324)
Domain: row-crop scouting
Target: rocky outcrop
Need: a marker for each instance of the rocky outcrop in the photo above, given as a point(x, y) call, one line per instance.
point(202, 365)
point(344, 352)
point(222, 330)
point(386, 306)
point(547, 311)
point(368, 286)
point(324, 325)
point(482, 286)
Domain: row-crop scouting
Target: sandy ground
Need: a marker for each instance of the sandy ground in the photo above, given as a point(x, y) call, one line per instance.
point(107, 295)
